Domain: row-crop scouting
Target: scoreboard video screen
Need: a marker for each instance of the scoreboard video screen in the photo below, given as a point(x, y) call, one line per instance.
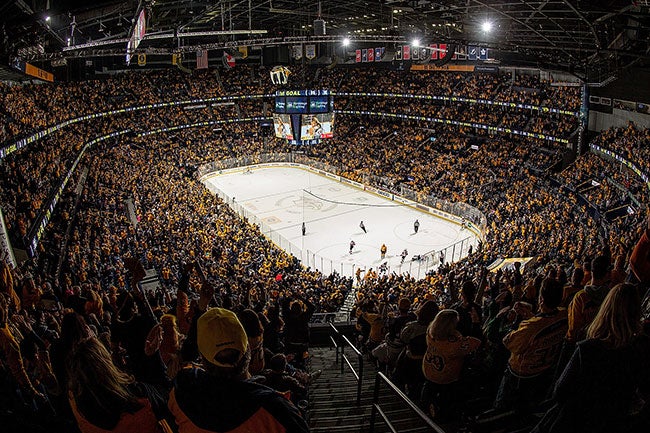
point(282, 126)
point(296, 104)
point(304, 115)
point(316, 126)
point(319, 104)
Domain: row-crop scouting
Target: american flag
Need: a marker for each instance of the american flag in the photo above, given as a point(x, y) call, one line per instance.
point(202, 59)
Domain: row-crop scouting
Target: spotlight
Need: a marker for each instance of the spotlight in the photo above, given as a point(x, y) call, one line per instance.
point(416, 42)
point(486, 26)
point(346, 42)
point(48, 18)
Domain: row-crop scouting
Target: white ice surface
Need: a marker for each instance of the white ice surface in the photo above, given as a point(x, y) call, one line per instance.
point(282, 198)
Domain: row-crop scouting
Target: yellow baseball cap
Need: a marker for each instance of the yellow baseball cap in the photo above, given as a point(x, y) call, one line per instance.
point(219, 329)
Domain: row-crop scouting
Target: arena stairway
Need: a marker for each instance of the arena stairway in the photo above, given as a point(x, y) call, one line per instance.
point(332, 400)
point(349, 302)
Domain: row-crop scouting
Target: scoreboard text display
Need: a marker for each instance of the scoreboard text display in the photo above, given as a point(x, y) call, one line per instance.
point(303, 116)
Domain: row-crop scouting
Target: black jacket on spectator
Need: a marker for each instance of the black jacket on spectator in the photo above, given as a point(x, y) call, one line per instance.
point(283, 383)
point(201, 403)
point(397, 324)
point(296, 326)
point(465, 325)
point(598, 388)
point(131, 335)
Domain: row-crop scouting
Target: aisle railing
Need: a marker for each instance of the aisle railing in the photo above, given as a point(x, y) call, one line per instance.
point(340, 342)
point(377, 410)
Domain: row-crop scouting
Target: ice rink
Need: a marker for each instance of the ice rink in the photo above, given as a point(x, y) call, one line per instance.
point(279, 199)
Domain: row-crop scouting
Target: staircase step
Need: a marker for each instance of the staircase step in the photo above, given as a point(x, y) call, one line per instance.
point(325, 413)
point(333, 398)
point(352, 428)
point(342, 420)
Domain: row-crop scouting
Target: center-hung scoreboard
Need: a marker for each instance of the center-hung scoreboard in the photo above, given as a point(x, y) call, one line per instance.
point(303, 116)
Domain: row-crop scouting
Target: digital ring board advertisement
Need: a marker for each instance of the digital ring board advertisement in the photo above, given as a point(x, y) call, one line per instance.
point(316, 126)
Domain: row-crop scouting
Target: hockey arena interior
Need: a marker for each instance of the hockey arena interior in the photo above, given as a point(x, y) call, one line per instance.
point(335, 216)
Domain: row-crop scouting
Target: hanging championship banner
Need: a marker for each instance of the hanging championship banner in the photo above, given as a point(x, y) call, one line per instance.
point(243, 51)
point(434, 51)
point(310, 51)
point(442, 51)
point(297, 52)
point(142, 59)
point(406, 52)
point(472, 52)
point(228, 60)
point(379, 53)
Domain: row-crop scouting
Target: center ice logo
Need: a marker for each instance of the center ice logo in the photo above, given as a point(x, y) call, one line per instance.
point(296, 205)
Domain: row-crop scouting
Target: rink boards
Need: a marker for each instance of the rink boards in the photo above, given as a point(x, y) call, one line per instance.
point(280, 196)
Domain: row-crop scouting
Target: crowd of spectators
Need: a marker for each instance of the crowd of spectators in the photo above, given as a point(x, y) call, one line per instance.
point(139, 206)
point(243, 271)
point(29, 108)
point(632, 143)
point(604, 185)
point(487, 350)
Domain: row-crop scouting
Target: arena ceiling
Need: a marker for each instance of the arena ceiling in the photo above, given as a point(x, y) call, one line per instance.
point(595, 39)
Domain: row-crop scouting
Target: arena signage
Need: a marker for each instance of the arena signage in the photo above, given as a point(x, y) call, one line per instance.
point(453, 68)
point(320, 92)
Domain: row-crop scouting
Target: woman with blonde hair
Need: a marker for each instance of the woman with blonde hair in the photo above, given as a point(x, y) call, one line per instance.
point(443, 363)
point(105, 399)
point(599, 385)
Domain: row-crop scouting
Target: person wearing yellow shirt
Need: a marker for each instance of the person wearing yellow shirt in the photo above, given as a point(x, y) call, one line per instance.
point(443, 362)
point(534, 350)
point(376, 321)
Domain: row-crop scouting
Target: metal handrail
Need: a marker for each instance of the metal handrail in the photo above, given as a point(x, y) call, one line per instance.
point(334, 339)
point(377, 410)
point(341, 341)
